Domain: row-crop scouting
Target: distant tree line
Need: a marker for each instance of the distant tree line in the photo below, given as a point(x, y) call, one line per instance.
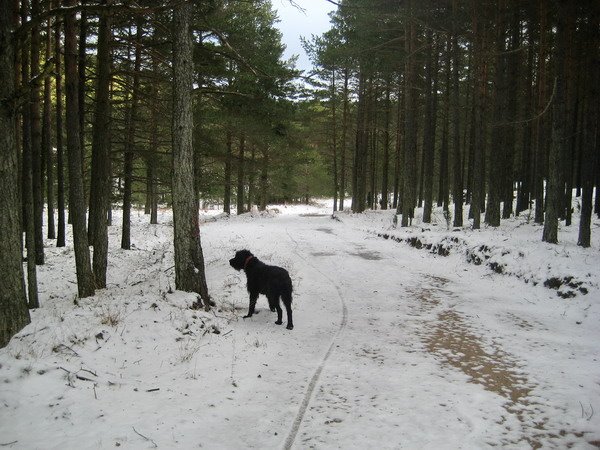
point(490, 105)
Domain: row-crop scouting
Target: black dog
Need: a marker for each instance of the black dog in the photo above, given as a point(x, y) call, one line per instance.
point(272, 281)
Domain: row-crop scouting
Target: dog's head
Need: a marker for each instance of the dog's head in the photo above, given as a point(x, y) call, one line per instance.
point(238, 262)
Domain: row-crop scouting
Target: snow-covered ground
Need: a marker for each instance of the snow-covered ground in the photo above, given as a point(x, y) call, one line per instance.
point(417, 337)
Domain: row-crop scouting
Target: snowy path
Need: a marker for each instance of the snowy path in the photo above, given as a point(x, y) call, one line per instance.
point(400, 365)
point(393, 348)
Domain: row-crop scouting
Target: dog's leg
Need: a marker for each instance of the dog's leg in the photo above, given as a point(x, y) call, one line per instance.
point(274, 305)
point(253, 298)
point(287, 301)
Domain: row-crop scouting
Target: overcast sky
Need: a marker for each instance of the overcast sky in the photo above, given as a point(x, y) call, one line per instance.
point(295, 23)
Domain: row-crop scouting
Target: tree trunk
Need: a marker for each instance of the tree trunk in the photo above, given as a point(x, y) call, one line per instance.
point(36, 140)
point(130, 141)
point(85, 277)
point(499, 130)
point(444, 186)
point(457, 185)
point(81, 90)
point(47, 139)
point(264, 181)
point(13, 301)
point(151, 160)
point(26, 176)
point(428, 132)
point(252, 171)
point(410, 112)
point(386, 147)
point(60, 177)
point(240, 176)
point(541, 126)
point(554, 184)
point(100, 181)
point(228, 155)
point(590, 126)
point(189, 259)
point(359, 181)
point(344, 142)
point(398, 166)
point(334, 142)
point(478, 140)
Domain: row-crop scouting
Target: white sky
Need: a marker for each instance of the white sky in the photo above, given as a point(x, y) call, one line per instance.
point(295, 23)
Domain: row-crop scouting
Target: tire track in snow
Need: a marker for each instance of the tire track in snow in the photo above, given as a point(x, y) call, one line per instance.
point(315, 378)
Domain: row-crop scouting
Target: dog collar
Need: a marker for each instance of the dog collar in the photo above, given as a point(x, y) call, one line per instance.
point(247, 261)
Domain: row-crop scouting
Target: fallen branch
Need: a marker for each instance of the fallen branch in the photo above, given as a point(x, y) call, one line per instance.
point(145, 437)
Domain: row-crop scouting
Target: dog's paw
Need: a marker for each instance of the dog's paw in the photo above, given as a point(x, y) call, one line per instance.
point(290, 327)
point(279, 322)
point(246, 316)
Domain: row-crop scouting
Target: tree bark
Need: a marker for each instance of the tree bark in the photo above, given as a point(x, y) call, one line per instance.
point(47, 140)
point(36, 140)
point(457, 185)
point(228, 156)
point(386, 148)
point(85, 276)
point(100, 181)
point(344, 142)
point(26, 176)
point(14, 314)
point(410, 113)
point(130, 142)
point(60, 177)
point(428, 132)
point(554, 184)
point(334, 142)
point(189, 259)
point(240, 175)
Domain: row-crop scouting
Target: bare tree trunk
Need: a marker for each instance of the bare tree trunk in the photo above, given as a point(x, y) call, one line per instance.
point(591, 127)
point(13, 301)
point(410, 111)
point(344, 143)
point(264, 180)
point(479, 141)
point(130, 142)
point(498, 142)
point(398, 166)
point(189, 260)
point(47, 139)
point(151, 160)
point(457, 186)
point(240, 176)
point(26, 177)
point(554, 185)
point(228, 155)
point(428, 132)
point(100, 180)
point(81, 65)
point(386, 147)
point(85, 277)
point(252, 171)
point(541, 129)
point(36, 140)
point(334, 141)
point(60, 177)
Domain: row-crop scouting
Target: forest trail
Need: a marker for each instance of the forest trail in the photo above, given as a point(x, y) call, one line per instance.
point(398, 336)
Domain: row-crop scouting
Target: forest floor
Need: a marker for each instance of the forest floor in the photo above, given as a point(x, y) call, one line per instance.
point(417, 337)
